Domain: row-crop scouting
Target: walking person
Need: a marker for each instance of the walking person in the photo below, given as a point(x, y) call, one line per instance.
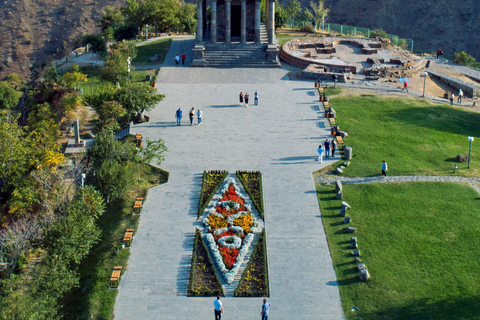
point(265, 308)
point(241, 98)
point(184, 56)
point(439, 53)
point(460, 95)
point(326, 144)
point(405, 85)
point(384, 169)
point(178, 116)
point(452, 97)
point(256, 95)
point(177, 59)
point(199, 116)
point(246, 97)
point(191, 114)
point(218, 307)
point(333, 148)
point(320, 153)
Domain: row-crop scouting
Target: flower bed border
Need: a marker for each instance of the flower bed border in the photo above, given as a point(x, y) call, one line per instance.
point(257, 202)
point(210, 269)
point(260, 245)
point(202, 204)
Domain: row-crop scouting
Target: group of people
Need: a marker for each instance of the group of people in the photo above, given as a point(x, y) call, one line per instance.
point(218, 308)
point(324, 150)
point(177, 58)
point(191, 116)
point(246, 98)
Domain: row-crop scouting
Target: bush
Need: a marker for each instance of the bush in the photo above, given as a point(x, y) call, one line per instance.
point(464, 58)
point(127, 32)
point(379, 33)
point(96, 43)
point(461, 157)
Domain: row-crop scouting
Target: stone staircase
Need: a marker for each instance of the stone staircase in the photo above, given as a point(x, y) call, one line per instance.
point(236, 55)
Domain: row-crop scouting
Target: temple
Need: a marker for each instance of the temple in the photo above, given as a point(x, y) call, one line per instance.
point(234, 36)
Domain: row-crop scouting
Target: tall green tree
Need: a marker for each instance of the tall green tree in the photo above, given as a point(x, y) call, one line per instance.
point(111, 17)
point(293, 9)
point(319, 12)
point(137, 97)
point(8, 96)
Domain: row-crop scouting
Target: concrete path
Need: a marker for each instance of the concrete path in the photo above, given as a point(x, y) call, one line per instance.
point(279, 137)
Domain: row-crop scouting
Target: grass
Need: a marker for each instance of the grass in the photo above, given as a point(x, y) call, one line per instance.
point(203, 280)
point(92, 299)
point(254, 281)
point(252, 182)
point(146, 51)
point(94, 80)
point(413, 136)
point(211, 181)
point(419, 241)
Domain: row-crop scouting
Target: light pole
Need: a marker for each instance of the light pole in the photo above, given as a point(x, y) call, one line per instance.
point(128, 68)
point(358, 311)
point(146, 32)
point(425, 75)
point(470, 150)
point(83, 179)
point(323, 22)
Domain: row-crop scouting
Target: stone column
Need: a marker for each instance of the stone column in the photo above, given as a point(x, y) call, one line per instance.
point(257, 21)
point(271, 22)
point(228, 22)
point(243, 24)
point(214, 22)
point(199, 20)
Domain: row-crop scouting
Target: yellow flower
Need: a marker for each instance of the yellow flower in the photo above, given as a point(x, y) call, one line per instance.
point(216, 222)
point(245, 221)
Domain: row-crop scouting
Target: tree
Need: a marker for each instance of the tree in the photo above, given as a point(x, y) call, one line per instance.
point(132, 13)
point(104, 92)
point(187, 14)
point(110, 18)
point(307, 15)
point(126, 31)
point(319, 12)
point(154, 151)
point(281, 16)
point(105, 147)
point(108, 113)
point(293, 9)
point(114, 178)
point(95, 43)
point(116, 67)
point(138, 97)
point(8, 96)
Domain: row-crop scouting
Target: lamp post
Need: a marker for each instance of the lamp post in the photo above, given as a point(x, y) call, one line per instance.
point(146, 32)
point(425, 75)
point(323, 22)
point(470, 150)
point(128, 68)
point(358, 311)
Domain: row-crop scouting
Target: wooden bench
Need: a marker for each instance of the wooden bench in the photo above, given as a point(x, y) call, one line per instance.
point(332, 121)
point(326, 104)
point(339, 140)
point(137, 206)
point(127, 238)
point(320, 90)
point(138, 139)
point(115, 277)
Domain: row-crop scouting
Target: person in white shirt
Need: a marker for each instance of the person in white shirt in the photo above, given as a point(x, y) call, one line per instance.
point(256, 95)
point(460, 95)
point(199, 116)
point(265, 307)
point(217, 304)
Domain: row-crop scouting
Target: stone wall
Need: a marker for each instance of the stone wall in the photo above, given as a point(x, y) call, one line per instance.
point(470, 90)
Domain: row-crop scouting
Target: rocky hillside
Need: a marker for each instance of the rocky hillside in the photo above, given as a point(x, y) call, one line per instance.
point(36, 31)
point(33, 32)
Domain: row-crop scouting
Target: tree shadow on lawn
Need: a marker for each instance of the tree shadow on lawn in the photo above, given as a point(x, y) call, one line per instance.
point(425, 309)
point(441, 118)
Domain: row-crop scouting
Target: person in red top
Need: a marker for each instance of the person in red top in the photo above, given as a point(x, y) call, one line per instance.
point(405, 86)
point(184, 56)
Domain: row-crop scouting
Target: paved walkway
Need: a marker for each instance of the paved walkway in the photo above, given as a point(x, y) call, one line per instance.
point(279, 137)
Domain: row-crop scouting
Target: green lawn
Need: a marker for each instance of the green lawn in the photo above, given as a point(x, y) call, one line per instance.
point(146, 51)
point(413, 136)
point(419, 242)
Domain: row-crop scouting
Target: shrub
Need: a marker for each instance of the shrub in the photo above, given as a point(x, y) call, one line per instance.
point(96, 43)
point(379, 33)
point(127, 32)
point(464, 58)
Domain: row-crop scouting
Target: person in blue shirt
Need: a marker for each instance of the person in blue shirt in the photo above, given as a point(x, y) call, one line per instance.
point(384, 169)
point(178, 115)
point(265, 307)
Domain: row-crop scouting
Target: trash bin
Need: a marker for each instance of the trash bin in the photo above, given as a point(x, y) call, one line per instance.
point(332, 113)
point(347, 153)
point(148, 77)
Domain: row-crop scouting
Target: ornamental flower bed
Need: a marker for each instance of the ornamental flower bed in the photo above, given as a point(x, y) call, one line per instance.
point(229, 229)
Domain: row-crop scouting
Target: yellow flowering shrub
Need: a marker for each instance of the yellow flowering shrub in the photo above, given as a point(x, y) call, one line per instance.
point(245, 221)
point(216, 222)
